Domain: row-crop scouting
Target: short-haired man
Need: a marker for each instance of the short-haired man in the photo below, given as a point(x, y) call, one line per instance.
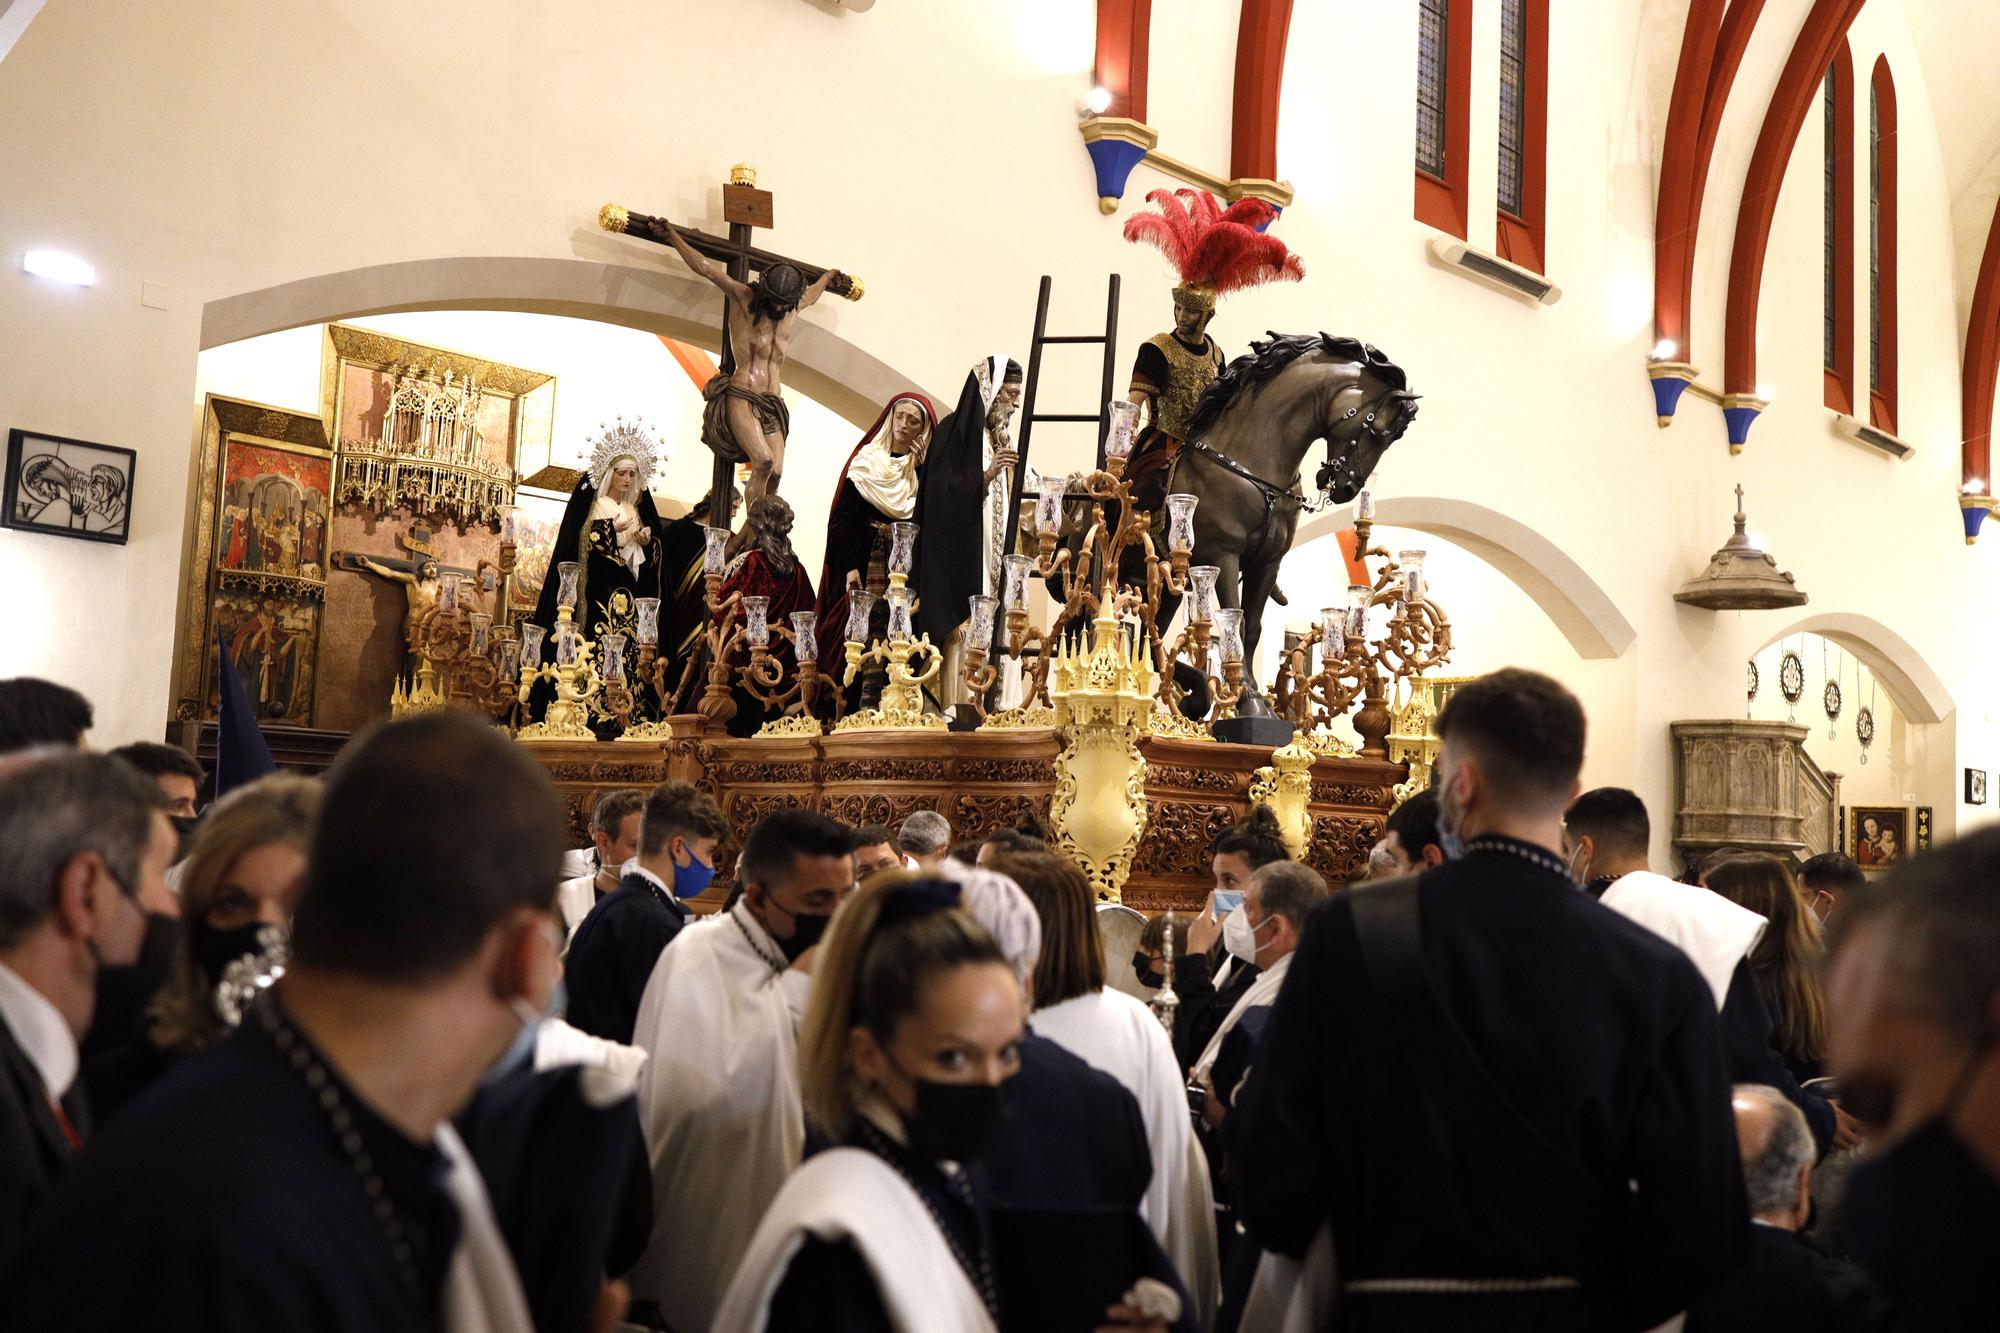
point(1605, 837)
point(1264, 932)
point(614, 838)
point(875, 849)
point(178, 774)
point(81, 836)
point(720, 1095)
point(1826, 879)
point(35, 713)
point(304, 1173)
point(1913, 1003)
point(1484, 1034)
point(1410, 841)
point(612, 954)
point(1789, 1282)
point(1208, 986)
point(925, 837)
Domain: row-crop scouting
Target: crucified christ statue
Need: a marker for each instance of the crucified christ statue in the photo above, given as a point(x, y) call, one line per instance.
point(745, 417)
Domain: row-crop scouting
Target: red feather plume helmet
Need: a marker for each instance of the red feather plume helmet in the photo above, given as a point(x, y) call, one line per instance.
point(1215, 250)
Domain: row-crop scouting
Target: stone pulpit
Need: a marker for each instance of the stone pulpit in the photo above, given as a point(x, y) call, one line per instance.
point(1750, 786)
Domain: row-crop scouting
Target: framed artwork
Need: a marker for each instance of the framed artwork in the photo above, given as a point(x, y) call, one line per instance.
point(1923, 835)
point(273, 511)
point(1975, 786)
point(70, 488)
point(1878, 836)
point(538, 516)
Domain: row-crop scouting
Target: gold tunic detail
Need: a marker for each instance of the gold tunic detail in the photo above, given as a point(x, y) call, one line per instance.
point(1189, 373)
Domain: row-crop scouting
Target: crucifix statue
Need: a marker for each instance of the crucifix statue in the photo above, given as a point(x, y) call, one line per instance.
point(745, 417)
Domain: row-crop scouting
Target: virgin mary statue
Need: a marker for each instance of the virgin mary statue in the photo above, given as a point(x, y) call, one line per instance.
point(612, 531)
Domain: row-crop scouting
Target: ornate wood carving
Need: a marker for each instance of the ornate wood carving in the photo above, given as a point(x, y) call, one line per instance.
point(1751, 786)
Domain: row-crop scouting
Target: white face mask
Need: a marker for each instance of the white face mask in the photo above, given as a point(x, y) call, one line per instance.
point(1240, 937)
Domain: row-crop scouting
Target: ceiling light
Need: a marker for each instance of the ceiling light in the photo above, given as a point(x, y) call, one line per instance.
point(58, 267)
point(1099, 100)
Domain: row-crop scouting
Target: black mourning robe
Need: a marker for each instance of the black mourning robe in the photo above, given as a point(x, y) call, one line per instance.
point(593, 544)
point(950, 561)
point(1924, 1218)
point(683, 593)
point(224, 1204)
point(34, 1152)
point(1602, 1035)
point(611, 956)
point(1791, 1283)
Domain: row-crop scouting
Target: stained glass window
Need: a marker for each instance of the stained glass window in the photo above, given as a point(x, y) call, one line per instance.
point(1431, 25)
point(1513, 103)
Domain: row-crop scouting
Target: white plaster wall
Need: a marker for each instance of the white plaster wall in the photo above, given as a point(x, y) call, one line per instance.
point(931, 148)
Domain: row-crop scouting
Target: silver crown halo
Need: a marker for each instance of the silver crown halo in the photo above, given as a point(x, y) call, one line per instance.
point(623, 440)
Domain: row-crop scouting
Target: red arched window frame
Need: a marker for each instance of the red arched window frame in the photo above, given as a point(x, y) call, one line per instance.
point(1837, 108)
point(1441, 183)
point(1882, 248)
point(1524, 118)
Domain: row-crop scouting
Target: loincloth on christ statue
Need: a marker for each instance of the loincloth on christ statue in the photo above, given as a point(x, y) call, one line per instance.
point(772, 414)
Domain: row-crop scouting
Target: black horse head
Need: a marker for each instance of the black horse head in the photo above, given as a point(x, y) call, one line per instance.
point(1361, 431)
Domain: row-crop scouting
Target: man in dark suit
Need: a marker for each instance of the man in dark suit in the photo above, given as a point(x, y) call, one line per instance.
point(1789, 1282)
point(613, 951)
point(82, 838)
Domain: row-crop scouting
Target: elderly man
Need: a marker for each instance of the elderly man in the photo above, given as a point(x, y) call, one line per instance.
point(81, 838)
point(1913, 994)
point(925, 838)
point(1265, 933)
point(1789, 1282)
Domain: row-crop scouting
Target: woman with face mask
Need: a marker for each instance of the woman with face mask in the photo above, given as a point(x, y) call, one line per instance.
point(244, 868)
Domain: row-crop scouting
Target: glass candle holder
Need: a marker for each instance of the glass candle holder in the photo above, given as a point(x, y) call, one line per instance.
point(614, 657)
point(1333, 632)
point(510, 659)
point(566, 580)
point(649, 619)
point(805, 635)
point(714, 542)
point(1124, 423)
point(1180, 523)
point(1229, 634)
point(1364, 505)
point(902, 547)
point(482, 631)
point(1358, 597)
point(860, 609)
point(448, 595)
point(1014, 581)
point(979, 633)
point(1201, 592)
point(531, 645)
point(899, 614)
point(1412, 563)
point(757, 621)
point(566, 645)
point(1049, 503)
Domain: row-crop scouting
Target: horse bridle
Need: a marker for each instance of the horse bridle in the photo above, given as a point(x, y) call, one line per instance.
point(1272, 493)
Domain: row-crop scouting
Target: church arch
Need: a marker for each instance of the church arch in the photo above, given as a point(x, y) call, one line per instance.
point(822, 365)
point(1565, 591)
point(1909, 680)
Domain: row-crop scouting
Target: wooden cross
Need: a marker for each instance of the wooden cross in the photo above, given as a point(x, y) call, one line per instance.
point(744, 207)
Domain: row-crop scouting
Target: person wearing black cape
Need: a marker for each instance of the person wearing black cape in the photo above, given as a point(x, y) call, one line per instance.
point(962, 497)
point(611, 529)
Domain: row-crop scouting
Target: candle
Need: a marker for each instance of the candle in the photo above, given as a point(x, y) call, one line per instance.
point(614, 657)
point(566, 645)
point(448, 595)
point(1014, 581)
point(566, 579)
point(860, 607)
point(714, 542)
point(1358, 597)
point(805, 635)
point(531, 645)
point(481, 631)
point(1049, 503)
point(649, 620)
point(510, 658)
point(1412, 563)
point(1229, 634)
point(757, 621)
point(1333, 632)
point(1364, 506)
point(980, 632)
point(1201, 592)
point(902, 547)
point(899, 614)
point(1124, 418)
point(1180, 523)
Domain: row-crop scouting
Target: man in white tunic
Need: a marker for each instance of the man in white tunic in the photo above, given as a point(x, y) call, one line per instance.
point(719, 1100)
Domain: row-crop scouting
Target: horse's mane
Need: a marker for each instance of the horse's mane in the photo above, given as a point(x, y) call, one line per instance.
point(1266, 359)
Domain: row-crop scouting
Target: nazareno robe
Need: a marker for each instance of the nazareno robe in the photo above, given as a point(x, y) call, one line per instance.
point(614, 951)
point(719, 1103)
point(859, 504)
point(1603, 1037)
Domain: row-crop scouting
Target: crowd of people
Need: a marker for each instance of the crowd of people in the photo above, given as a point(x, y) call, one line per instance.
point(379, 1051)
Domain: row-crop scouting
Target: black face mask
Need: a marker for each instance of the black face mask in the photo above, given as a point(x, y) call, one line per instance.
point(1143, 966)
point(806, 932)
point(955, 1122)
point(185, 826)
point(216, 949)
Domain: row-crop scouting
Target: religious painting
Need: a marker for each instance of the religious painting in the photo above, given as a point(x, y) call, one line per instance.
point(69, 488)
point(538, 518)
point(1975, 786)
point(274, 510)
point(1878, 836)
point(271, 638)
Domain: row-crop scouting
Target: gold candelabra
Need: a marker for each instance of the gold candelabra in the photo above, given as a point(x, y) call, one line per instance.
point(578, 686)
point(902, 706)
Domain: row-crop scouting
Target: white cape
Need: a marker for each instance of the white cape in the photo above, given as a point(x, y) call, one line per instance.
point(1264, 990)
point(1120, 1036)
point(1713, 932)
point(719, 1102)
point(852, 1195)
point(482, 1290)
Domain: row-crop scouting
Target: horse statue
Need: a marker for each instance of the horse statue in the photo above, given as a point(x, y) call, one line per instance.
point(1251, 433)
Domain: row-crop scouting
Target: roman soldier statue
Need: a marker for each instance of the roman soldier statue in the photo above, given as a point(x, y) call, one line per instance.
point(1215, 250)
